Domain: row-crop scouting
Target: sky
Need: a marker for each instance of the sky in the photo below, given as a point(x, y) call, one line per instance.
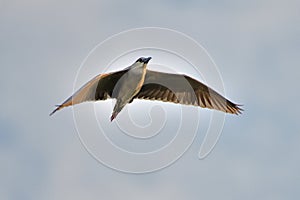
point(255, 45)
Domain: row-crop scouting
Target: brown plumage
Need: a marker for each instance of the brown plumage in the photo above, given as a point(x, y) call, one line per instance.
point(175, 88)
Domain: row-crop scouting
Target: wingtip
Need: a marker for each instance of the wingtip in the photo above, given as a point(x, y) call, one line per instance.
point(238, 108)
point(56, 109)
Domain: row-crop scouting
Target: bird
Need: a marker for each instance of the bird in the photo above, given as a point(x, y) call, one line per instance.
point(138, 82)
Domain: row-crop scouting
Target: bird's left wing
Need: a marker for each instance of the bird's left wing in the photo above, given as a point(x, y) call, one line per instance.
point(99, 88)
point(183, 89)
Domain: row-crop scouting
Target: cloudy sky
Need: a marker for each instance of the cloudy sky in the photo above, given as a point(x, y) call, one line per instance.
point(255, 45)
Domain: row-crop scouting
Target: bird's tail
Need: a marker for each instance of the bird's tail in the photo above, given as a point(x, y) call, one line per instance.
point(113, 116)
point(117, 109)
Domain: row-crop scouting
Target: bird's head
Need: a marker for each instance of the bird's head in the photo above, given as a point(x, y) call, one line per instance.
point(143, 60)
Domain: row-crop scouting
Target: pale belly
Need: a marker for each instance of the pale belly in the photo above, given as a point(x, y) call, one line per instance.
point(130, 84)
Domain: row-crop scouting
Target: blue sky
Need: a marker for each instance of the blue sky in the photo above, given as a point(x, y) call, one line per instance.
point(255, 45)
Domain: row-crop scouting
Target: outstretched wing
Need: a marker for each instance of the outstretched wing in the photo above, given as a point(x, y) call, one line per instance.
point(184, 90)
point(99, 88)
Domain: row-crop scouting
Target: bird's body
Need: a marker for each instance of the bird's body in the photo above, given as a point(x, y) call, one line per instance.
point(138, 82)
point(129, 85)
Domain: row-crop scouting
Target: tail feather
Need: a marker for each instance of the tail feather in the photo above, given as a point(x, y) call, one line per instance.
point(113, 116)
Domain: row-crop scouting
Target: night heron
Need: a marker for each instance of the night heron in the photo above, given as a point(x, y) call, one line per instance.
point(136, 82)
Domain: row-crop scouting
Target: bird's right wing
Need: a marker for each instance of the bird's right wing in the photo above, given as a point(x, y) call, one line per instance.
point(182, 89)
point(99, 88)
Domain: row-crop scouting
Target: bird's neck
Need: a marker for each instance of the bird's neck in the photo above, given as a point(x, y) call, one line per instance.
point(138, 65)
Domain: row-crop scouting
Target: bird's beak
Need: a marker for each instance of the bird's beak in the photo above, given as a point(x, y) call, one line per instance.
point(147, 60)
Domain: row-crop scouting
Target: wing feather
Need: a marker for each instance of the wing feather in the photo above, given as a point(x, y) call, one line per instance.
point(99, 88)
point(184, 90)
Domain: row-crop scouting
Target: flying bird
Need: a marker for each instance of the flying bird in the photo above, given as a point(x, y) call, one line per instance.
point(137, 82)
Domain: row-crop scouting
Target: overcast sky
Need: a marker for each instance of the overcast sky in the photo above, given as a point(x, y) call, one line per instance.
point(255, 45)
